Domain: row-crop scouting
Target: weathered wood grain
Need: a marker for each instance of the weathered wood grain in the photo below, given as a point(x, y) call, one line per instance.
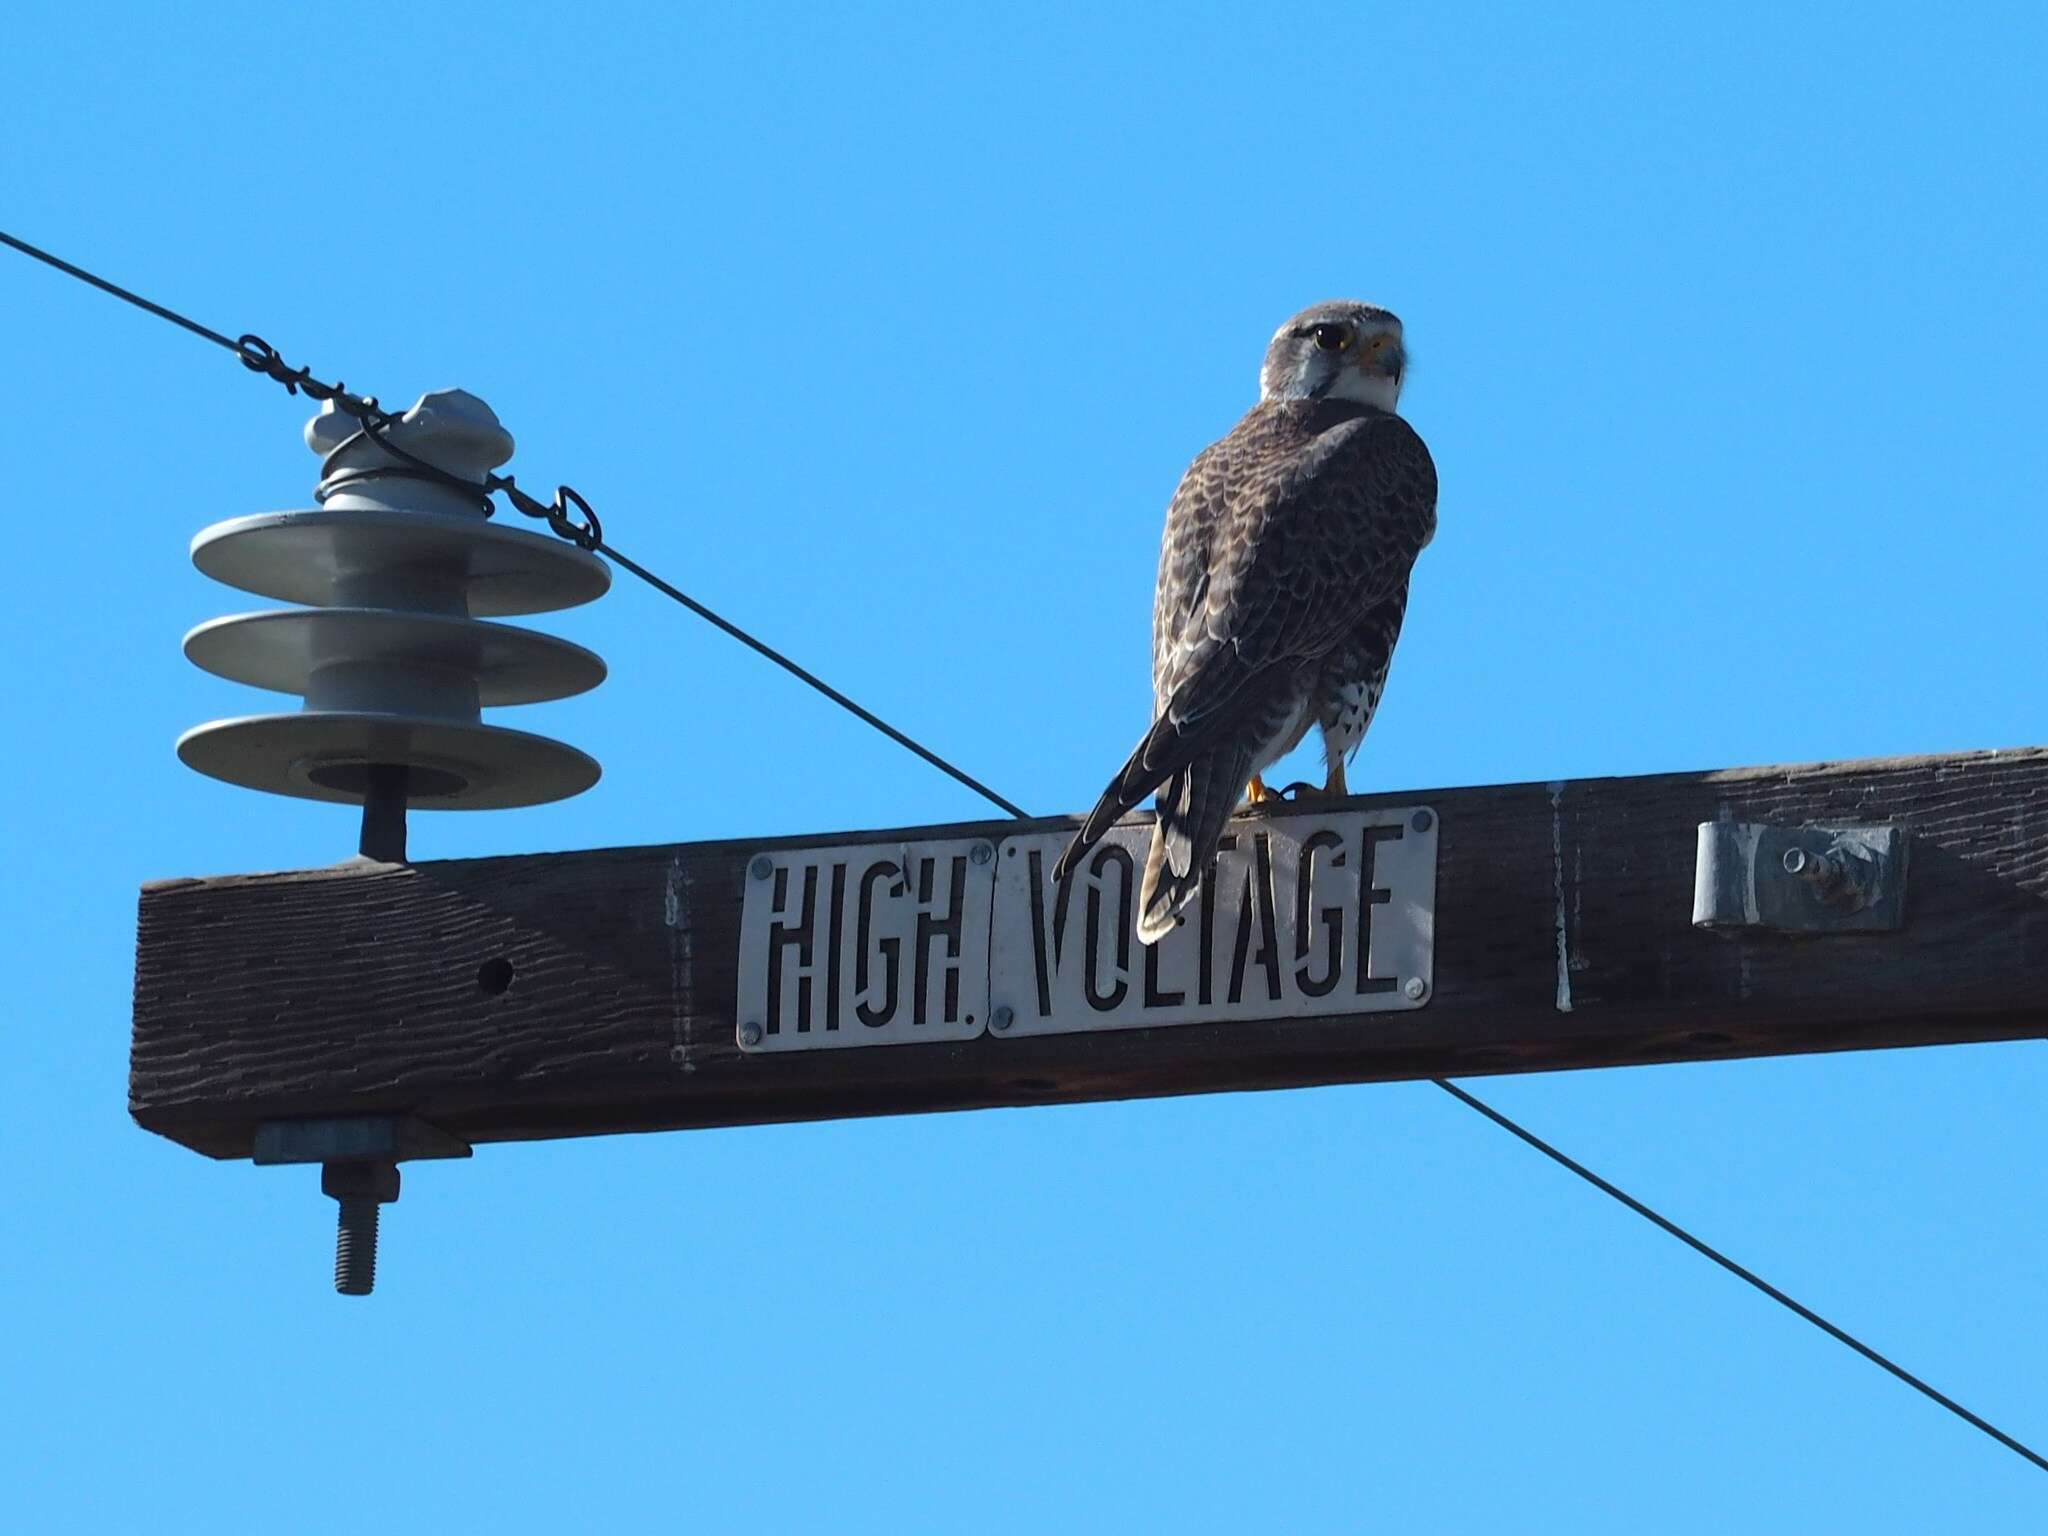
point(586, 993)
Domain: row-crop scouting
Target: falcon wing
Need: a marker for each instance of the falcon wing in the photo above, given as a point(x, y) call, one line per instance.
point(1308, 542)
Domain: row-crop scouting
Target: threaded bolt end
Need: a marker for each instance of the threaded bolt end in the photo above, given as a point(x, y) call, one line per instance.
point(355, 1246)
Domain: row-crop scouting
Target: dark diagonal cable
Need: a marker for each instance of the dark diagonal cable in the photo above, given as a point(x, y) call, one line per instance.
point(117, 291)
point(1740, 1273)
point(762, 649)
point(588, 534)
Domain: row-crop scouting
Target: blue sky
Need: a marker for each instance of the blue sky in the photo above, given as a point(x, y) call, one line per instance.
point(887, 331)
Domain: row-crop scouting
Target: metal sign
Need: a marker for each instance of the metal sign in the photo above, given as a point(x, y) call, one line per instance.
point(893, 944)
point(865, 944)
point(1304, 915)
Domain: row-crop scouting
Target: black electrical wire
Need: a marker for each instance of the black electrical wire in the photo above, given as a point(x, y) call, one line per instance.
point(117, 291)
point(763, 649)
point(260, 357)
point(1746, 1275)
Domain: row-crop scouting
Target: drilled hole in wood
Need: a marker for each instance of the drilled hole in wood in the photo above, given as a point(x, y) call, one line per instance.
point(494, 976)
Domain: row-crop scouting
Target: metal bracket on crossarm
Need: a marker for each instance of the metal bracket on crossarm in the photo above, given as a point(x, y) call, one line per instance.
point(1800, 880)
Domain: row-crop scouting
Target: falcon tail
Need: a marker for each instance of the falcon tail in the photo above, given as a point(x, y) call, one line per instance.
point(1193, 808)
point(1156, 759)
point(1198, 789)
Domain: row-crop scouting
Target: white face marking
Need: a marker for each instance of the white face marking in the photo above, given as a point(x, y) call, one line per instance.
point(1378, 389)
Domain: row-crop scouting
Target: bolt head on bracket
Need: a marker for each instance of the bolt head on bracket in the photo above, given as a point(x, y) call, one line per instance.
point(1800, 880)
point(360, 1181)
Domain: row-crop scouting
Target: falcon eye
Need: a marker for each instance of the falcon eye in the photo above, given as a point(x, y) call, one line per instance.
point(1330, 338)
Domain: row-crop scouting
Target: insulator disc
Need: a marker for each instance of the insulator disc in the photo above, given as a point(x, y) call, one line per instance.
point(282, 650)
point(332, 558)
point(323, 755)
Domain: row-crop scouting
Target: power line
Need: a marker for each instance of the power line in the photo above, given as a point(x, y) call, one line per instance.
point(798, 672)
point(259, 356)
point(1747, 1275)
point(117, 291)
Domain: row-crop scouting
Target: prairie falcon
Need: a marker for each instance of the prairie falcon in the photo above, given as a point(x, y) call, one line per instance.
point(1283, 578)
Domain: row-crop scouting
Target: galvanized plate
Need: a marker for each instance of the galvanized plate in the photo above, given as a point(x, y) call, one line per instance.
point(865, 944)
point(1304, 915)
point(1800, 880)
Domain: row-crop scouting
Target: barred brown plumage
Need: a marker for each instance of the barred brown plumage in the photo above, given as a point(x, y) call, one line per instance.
point(1283, 578)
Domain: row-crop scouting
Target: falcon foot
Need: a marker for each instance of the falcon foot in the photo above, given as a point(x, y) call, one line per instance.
point(1261, 796)
point(1301, 792)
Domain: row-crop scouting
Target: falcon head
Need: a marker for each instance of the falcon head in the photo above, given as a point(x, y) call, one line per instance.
point(1339, 350)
